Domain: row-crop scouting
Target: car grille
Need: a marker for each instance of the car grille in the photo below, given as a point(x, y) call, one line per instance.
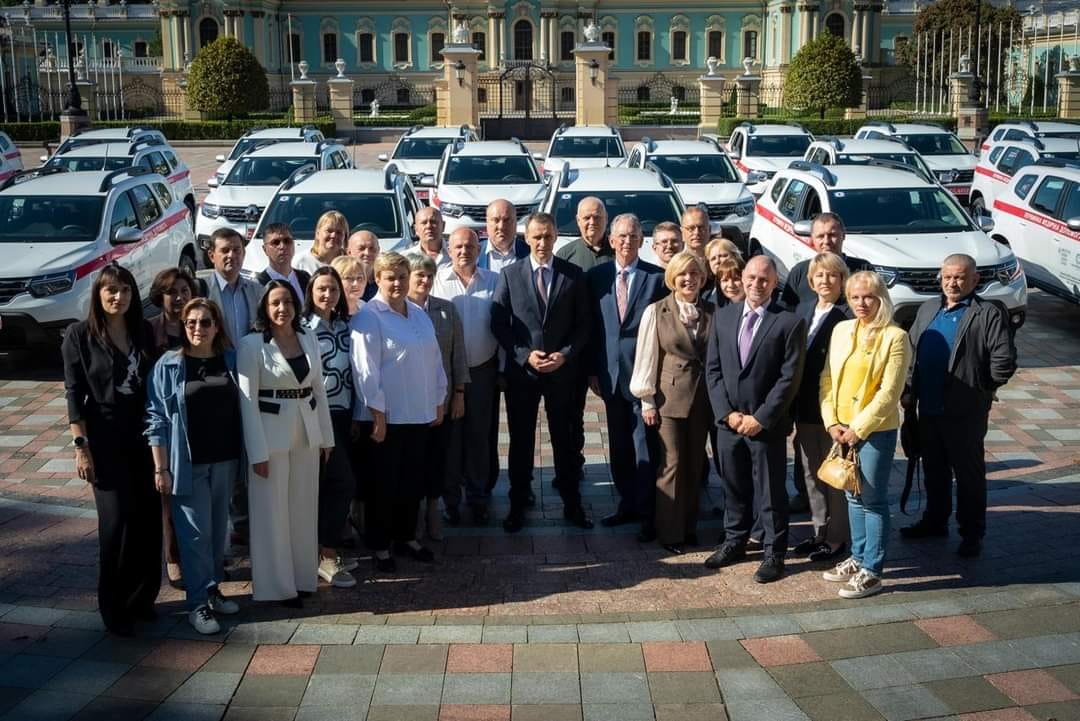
point(237, 214)
point(478, 212)
point(721, 211)
point(925, 280)
point(11, 287)
point(415, 179)
point(965, 176)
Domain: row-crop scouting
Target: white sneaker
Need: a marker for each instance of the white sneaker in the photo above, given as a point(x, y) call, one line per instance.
point(862, 584)
point(331, 571)
point(842, 572)
point(222, 605)
point(202, 620)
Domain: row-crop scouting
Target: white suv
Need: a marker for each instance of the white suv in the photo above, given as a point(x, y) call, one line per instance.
point(1030, 129)
point(583, 146)
point(419, 150)
point(760, 150)
point(651, 196)
point(83, 137)
point(380, 201)
point(827, 150)
point(57, 229)
point(471, 175)
point(1038, 216)
point(901, 223)
point(951, 162)
point(997, 168)
point(703, 175)
point(239, 201)
point(10, 158)
point(265, 136)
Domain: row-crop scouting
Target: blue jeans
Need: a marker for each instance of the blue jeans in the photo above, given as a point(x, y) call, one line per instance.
point(868, 512)
point(201, 520)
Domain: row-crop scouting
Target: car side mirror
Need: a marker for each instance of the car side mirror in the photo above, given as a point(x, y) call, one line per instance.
point(219, 158)
point(43, 158)
point(211, 183)
point(1073, 223)
point(756, 176)
point(427, 181)
point(126, 235)
point(985, 222)
point(734, 154)
point(383, 157)
point(538, 156)
point(802, 228)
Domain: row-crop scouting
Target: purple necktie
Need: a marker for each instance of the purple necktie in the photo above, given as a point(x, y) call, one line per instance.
point(747, 336)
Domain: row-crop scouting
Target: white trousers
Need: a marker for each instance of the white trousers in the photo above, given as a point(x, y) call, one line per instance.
point(284, 512)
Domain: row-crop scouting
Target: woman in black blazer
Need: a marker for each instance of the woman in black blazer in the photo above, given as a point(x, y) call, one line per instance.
point(106, 363)
point(828, 507)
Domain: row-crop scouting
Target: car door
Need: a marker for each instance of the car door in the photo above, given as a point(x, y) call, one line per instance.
point(1067, 241)
point(1047, 200)
point(124, 215)
point(153, 254)
point(782, 243)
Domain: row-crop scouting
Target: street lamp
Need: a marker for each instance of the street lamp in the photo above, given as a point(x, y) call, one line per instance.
point(459, 72)
point(74, 102)
point(594, 69)
point(973, 92)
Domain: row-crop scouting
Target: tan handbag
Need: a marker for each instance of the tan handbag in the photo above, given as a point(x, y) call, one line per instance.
point(839, 471)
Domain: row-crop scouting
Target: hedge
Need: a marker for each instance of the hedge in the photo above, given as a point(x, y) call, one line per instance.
point(839, 126)
point(49, 131)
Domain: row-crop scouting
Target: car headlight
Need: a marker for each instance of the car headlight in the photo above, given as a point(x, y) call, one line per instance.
point(54, 284)
point(1008, 271)
point(888, 275)
point(452, 209)
point(946, 176)
point(209, 210)
point(744, 208)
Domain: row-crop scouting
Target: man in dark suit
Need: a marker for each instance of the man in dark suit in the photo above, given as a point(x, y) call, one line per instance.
point(279, 247)
point(753, 369)
point(621, 290)
point(540, 317)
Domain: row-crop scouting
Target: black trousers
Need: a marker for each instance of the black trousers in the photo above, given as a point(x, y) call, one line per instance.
point(493, 433)
point(632, 452)
point(952, 447)
point(336, 482)
point(434, 471)
point(754, 479)
point(394, 491)
point(523, 396)
point(577, 425)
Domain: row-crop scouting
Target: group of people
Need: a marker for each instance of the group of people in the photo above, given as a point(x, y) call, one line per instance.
point(356, 388)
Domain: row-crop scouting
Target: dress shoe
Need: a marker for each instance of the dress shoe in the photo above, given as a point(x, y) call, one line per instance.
point(691, 540)
point(970, 548)
point(754, 544)
point(799, 503)
point(675, 549)
point(452, 516)
point(576, 516)
point(385, 565)
point(922, 529)
point(295, 602)
point(514, 522)
point(422, 554)
point(825, 552)
point(725, 555)
point(619, 518)
point(771, 569)
point(647, 534)
point(806, 547)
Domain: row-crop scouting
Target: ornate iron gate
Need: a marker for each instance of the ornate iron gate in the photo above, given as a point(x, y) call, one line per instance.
point(522, 101)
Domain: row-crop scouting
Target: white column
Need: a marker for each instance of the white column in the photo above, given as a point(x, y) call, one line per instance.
point(491, 48)
point(544, 47)
point(186, 22)
point(867, 34)
point(785, 33)
point(856, 29)
point(555, 38)
point(502, 39)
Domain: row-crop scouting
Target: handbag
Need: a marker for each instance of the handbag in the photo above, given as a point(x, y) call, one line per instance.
point(841, 471)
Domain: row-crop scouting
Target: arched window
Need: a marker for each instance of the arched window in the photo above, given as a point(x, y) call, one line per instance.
point(208, 31)
point(523, 40)
point(834, 23)
point(438, 42)
point(479, 41)
point(750, 48)
point(329, 48)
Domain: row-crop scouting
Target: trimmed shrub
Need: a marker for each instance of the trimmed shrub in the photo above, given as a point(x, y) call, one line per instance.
point(823, 75)
point(227, 79)
point(829, 126)
point(49, 131)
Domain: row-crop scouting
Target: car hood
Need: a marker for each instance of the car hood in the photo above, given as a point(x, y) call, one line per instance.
point(951, 162)
point(241, 196)
point(923, 250)
point(484, 194)
point(25, 260)
point(224, 168)
point(713, 193)
point(416, 166)
point(764, 162)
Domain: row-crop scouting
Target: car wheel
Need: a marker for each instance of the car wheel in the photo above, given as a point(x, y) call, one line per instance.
point(187, 262)
point(978, 207)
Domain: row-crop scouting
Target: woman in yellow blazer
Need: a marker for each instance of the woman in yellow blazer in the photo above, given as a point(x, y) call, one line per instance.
point(864, 374)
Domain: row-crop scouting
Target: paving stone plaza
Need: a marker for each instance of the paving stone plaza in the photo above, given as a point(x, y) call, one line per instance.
point(556, 623)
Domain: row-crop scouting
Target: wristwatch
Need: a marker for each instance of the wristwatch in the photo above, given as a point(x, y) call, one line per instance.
point(80, 442)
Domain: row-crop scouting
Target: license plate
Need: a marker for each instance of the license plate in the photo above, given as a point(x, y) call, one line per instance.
point(959, 189)
point(422, 194)
point(250, 232)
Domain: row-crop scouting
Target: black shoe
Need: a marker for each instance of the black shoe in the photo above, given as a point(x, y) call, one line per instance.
point(825, 552)
point(577, 517)
point(530, 500)
point(675, 549)
point(806, 547)
point(385, 565)
point(771, 569)
point(422, 554)
point(304, 594)
point(295, 602)
point(452, 515)
point(754, 544)
point(123, 629)
point(146, 613)
point(922, 529)
point(619, 518)
point(799, 504)
point(691, 540)
point(647, 534)
point(481, 515)
point(970, 548)
point(725, 555)
point(514, 522)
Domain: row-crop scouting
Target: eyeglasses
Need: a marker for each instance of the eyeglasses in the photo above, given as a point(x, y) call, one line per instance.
point(204, 323)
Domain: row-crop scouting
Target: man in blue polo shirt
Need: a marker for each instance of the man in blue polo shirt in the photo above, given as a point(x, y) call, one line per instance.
point(964, 352)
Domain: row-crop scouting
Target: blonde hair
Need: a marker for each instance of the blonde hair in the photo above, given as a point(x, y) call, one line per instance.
point(345, 264)
point(830, 262)
point(333, 217)
point(679, 264)
point(732, 265)
point(390, 261)
point(720, 241)
point(876, 286)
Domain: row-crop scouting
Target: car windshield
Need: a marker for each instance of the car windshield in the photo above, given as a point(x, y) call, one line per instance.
point(697, 168)
point(899, 211)
point(421, 148)
point(789, 146)
point(910, 159)
point(1074, 155)
point(79, 164)
point(490, 170)
point(242, 146)
point(50, 218)
point(606, 146)
point(265, 171)
point(935, 143)
point(68, 145)
point(1067, 134)
point(376, 212)
point(650, 207)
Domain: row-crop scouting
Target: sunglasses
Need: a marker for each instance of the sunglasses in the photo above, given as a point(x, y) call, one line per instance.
point(199, 322)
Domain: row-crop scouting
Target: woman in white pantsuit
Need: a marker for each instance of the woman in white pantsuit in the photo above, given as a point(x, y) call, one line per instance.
point(286, 421)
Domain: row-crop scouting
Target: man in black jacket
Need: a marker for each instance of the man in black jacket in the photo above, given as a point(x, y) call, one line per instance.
point(964, 352)
point(279, 247)
point(827, 235)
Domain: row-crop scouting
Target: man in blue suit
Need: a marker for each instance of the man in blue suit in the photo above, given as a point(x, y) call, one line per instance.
point(621, 289)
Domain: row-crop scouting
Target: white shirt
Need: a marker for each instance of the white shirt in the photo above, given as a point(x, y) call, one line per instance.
point(747, 310)
point(473, 304)
point(308, 262)
point(815, 324)
point(496, 259)
point(440, 260)
point(291, 278)
point(547, 281)
point(631, 273)
point(647, 355)
point(396, 363)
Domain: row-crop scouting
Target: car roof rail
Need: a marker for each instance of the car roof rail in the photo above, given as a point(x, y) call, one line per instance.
point(298, 176)
point(260, 145)
point(308, 126)
point(78, 131)
point(24, 176)
point(748, 125)
point(457, 145)
point(132, 172)
point(814, 169)
point(413, 129)
point(714, 140)
point(1059, 162)
point(613, 130)
point(831, 140)
point(897, 165)
point(463, 130)
point(520, 145)
point(881, 124)
point(389, 175)
point(561, 129)
point(800, 126)
point(138, 145)
point(665, 181)
point(649, 143)
point(1031, 141)
point(324, 144)
point(141, 129)
point(259, 129)
point(894, 139)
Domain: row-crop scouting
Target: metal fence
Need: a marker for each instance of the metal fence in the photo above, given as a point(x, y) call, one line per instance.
point(659, 100)
point(390, 94)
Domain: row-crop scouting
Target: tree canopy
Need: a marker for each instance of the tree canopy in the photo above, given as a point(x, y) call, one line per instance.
point(823, 74)
point(227, 79)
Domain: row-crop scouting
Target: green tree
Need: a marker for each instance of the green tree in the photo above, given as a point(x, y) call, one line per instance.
point(823, 75)
point(227, 80)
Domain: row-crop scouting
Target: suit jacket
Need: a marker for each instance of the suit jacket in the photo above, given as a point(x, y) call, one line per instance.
point(520, 328)
point(268, 422)
point(92, 371)
point(613, 343)
point(521, 250)
point(302, 276)
point(253, 293)
point(766, 386)
point(451, 336)
point(679, 385)
point(807, 406)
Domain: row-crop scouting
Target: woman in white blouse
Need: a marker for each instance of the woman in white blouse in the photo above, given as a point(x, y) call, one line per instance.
point(669, 379)
point(330, 234)
point(399, 376)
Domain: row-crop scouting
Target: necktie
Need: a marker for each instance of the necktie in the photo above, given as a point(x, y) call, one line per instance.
point(541, 289)
point(747, 336)
point(622, 292)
